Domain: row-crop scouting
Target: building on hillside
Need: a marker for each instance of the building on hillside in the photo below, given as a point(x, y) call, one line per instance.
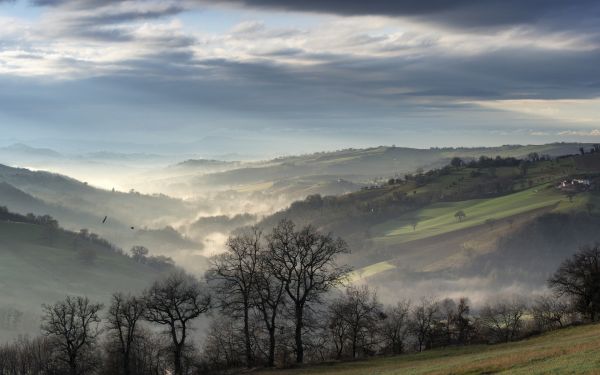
point(576, 184)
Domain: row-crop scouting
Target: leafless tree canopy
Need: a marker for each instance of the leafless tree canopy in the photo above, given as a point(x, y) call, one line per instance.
point(124, 315)
point(305, 262)
point(354, 319)
point(234, 277)
point(280, 303)
point(173, 302)
point(504, 319)
point(73, 326)
point(424, 317)
point(579, 278)
point(395, 327)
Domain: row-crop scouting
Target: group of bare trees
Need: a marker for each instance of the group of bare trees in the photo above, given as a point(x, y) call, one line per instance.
point(279, 298)
point(274, 282)
point(78, 338)
point(354, 323)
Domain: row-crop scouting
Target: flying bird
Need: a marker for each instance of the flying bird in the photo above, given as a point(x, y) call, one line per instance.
point(104, 220)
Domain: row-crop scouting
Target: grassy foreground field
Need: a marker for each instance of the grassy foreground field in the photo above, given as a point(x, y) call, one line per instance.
point(574, 350)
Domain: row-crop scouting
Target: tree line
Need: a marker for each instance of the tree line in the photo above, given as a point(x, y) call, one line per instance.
point(280, 298)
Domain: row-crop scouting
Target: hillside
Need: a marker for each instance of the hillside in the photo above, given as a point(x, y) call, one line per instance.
point(80, 197)
point(132, 218)
point(574, 350)
point(407, 231)
point(335, 172)
point(43, 263)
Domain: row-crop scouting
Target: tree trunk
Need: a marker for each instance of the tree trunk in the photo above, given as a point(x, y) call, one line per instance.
point(177, 354)
point(271, 360)
point(72, 366)
point(249, 356)
point(126, 369)
point(299, 346)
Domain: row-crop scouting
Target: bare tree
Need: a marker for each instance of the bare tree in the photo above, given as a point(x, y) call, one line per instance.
point(304, 261)
point(579, 279)
point(338, 327)
point(394, 327)
point(173, 302)
point(268, 298)
point(28, 356)
point(423, 322)
point(503, 320)
point(139, 253)
point(233, 275)
point(462, 321)
point(448, 313)
point(149, 354)
point(124, 315)
point(549, 312)
point(73, 324)
point(224, 344)
point(359, 311)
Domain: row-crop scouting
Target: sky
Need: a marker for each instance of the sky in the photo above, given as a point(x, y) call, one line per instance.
point(268, 77)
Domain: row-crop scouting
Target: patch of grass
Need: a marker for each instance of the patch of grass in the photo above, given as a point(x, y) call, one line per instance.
point(439, 218)
point(574, 350)
point(368, 271)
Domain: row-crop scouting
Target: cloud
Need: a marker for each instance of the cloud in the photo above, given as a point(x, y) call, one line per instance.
point(457, 13)
point(582, 133)
point(140, 62)
point(570, 111)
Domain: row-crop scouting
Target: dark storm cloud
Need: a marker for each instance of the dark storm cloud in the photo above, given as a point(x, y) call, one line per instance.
point(456, 13)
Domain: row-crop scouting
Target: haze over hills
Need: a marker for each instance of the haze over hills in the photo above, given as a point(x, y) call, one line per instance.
point(208, 187)
point(337, 180)
point(392, 205)
point(524, 209)
point(216, 191)
point(518, 225)
point(333, 172)
point(40, 263)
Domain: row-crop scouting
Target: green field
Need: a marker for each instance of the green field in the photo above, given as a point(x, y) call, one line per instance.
point(573, 350)
point(371, 270)
point(439, 218)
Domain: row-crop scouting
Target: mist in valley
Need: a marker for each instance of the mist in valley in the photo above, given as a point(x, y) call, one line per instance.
point(197, 187)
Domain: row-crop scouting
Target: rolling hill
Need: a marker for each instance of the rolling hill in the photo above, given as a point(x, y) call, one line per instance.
point(132, 218)
point(565, 351)
point(331, 173)
point(41, 263)
point(407, 231)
